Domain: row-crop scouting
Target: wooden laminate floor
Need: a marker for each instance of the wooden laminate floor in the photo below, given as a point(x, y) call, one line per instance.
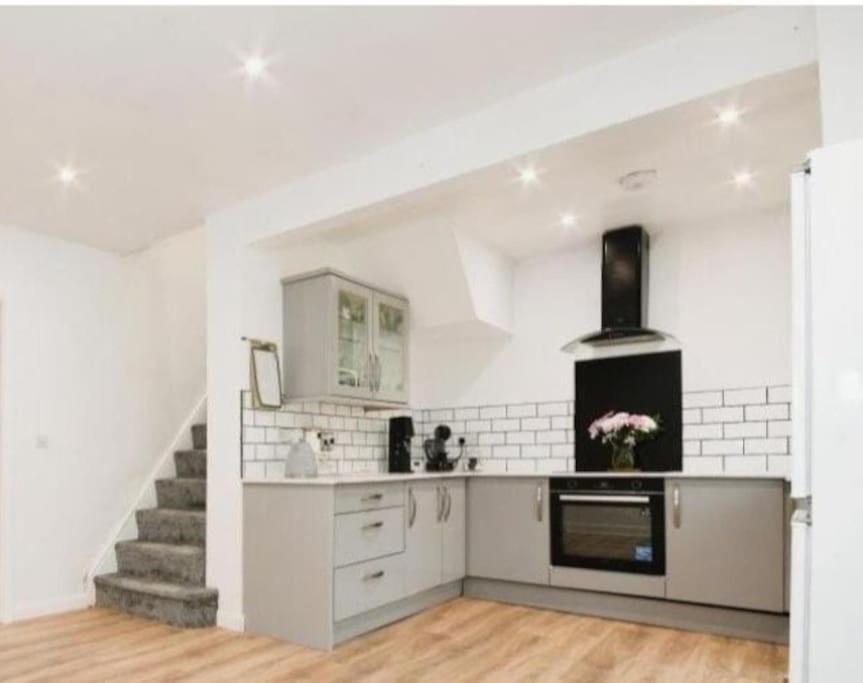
point(462, 640)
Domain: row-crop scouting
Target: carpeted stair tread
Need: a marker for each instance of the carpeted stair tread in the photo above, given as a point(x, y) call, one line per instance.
point(182, 564)
point(159, 589)
point(191, 464)
point(182, 493)
point(164, 525)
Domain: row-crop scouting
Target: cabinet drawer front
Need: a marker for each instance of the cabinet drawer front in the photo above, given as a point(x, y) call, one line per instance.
point(369, 497)
point(362, 587)
point(365, 535)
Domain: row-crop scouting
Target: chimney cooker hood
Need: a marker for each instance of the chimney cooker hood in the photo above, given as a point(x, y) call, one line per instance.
point(624, 291)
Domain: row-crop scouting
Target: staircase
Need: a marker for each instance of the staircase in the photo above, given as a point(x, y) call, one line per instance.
point(161, 575)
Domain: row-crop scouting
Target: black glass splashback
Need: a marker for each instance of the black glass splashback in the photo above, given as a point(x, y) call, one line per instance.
point(648, 384)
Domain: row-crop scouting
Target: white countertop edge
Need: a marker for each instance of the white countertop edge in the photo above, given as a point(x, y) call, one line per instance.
point(384, 477)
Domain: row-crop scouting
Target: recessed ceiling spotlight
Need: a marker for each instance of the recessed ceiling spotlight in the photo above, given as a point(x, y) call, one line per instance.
point(729, 116)
point(743, 179)
point(638, 180)
point(67, 175)
point(254, 67)
point(528, 175)
point(568, 220)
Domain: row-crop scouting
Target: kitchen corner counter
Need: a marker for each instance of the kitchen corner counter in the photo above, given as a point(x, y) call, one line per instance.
point(381, 477)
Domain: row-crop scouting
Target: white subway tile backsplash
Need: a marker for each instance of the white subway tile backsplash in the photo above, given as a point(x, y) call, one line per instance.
point(703, 465)
point(520, 437)
point(521, 410)
point(505, 425)
point(741, 430)
point(739, 397)
point(506, 451)
point(467, 413)
point(692, 416)
point(746, 464)
point(779, 464)
point(536, 451)
point(711, 415)
point(691, 448)
point(521, 466)
point(722, 447)
point(553, 436)
point(535, 424)
point(713, 431)
point(562, 450)
point(492, 438)
point(777, 411)
point(492, 412)
point(767, 446)
point(561, 422)
point(550, 409)
point(735, 430)
point(702, 399)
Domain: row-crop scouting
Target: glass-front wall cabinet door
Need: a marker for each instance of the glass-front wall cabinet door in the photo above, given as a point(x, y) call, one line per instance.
point(390, 353)
point(353, 339)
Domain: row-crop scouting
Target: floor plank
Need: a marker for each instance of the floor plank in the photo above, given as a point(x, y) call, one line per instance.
point(462, 640)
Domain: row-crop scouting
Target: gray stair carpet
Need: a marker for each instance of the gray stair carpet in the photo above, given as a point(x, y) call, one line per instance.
point(162, 574)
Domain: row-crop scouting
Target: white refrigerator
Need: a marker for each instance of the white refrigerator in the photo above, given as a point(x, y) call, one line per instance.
point(826, 641)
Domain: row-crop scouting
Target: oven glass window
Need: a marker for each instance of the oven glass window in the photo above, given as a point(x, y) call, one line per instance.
point(607, 531)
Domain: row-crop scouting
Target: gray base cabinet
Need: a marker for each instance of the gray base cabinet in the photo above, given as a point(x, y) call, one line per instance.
point(508, 532)
point(434, 534)
point(725, 542)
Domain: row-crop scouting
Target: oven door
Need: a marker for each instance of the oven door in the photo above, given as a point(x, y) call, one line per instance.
point(612, 531)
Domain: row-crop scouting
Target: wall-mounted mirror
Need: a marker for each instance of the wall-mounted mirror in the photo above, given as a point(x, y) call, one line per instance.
point(266, 375)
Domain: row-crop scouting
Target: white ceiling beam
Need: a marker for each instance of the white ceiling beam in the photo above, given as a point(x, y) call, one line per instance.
point(713, 56)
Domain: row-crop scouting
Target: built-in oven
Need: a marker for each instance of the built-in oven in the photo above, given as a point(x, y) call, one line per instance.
point(611, 523)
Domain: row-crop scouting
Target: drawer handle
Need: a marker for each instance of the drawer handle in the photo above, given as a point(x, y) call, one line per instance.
point(374, 575)
point(372, 497)
point(372, 525)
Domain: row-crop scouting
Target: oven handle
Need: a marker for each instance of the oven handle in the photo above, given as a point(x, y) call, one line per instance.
point(569, 498)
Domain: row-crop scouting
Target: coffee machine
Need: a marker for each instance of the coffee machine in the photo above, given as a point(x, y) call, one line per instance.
point(401, 433)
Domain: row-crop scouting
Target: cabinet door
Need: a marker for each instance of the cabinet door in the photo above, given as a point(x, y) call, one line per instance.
point(508, 533)
point(724, 542)
point(391, 330)
point(423, 537)
point(454, 530)
point(351, 370)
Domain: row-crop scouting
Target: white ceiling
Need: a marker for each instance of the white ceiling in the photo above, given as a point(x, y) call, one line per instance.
point(695, 157)
point(147, 101)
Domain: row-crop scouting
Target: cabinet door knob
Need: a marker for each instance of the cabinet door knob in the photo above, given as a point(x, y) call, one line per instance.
point(372, 497)
point(373, 525)
point(448, 500)
point(374, 575)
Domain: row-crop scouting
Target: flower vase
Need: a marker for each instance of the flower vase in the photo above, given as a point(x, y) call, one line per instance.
point(622, 457)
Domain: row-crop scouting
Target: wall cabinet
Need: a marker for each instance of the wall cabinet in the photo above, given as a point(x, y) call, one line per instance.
point(434, 534)
point(344, 340)
point(508, 532)
point(724, 542)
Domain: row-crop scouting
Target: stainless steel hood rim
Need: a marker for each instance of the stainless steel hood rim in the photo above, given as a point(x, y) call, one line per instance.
point(618, 337)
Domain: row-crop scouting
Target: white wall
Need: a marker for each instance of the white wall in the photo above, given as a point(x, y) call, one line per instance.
point(723, 290)
point(89, 367)
point(840, 54)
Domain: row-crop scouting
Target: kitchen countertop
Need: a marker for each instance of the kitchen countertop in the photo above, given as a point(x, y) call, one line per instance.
point(380, 477)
